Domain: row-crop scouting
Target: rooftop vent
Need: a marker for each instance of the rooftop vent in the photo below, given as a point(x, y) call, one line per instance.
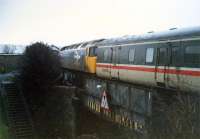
point(172, 28)
point(150, 32)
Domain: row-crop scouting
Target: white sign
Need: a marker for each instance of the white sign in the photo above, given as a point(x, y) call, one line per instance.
point(104, 101)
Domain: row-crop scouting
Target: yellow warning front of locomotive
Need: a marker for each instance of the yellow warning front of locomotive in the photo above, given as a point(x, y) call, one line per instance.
point(90, 63)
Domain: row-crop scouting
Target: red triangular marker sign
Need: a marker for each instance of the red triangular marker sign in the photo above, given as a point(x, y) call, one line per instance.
point(104, 101)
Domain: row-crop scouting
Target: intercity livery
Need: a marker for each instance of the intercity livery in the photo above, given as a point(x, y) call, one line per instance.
point(169, 59)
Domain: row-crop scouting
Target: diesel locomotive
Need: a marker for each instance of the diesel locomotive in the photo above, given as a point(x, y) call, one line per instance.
point(169, 59)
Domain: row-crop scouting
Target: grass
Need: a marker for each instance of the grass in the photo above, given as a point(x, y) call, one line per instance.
point(6, 70)
point(2, 70)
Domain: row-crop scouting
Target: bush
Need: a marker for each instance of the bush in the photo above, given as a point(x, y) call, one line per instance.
point(39, 71)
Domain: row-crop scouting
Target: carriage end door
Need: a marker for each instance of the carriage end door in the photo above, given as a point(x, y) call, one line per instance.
point(162, 65)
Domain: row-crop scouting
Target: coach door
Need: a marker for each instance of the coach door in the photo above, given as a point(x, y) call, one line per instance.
point(161, 65)
point(115, 61)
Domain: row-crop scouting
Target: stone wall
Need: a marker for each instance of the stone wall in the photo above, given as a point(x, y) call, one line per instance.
point(56, 118)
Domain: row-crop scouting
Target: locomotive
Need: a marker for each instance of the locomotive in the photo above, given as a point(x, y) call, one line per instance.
point(169, 59)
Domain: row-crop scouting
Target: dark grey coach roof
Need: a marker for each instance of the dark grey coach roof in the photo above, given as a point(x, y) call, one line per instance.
point(171, 34)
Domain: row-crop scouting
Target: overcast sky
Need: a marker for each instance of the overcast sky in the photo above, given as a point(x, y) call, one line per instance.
point(63, 22)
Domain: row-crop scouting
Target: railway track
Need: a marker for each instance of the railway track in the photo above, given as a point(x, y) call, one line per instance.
point(19, 119)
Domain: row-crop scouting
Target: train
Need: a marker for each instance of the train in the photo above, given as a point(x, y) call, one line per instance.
point(168, 59)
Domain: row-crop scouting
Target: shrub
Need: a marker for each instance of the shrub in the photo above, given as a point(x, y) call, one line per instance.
point(40, 70)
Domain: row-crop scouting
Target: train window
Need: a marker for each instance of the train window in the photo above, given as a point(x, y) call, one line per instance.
point(92, 51)
point(131, 55)
point(123, 57)
point(107, 55)
point(192, 55)
point(149, 55)
point(175, 59)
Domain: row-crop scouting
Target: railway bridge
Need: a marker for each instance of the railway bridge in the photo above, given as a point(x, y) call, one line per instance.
point(141, 109)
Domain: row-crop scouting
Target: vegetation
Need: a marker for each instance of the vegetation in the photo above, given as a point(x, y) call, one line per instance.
point(2, 69)
point(3, 120)
point(176, 116)
point(9, 49)
point(6, 69)
point(40, 70)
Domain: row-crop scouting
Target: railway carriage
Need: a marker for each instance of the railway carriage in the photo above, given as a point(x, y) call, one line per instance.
point(170, 59)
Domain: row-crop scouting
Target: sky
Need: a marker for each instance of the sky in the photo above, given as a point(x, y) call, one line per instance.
point(63, 22)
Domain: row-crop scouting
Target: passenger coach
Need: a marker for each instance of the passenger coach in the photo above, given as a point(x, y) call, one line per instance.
point(168, 59)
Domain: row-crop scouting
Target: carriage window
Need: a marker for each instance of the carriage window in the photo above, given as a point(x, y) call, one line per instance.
point(131, 55)
point(175, 59)
point(192, 55)
point(93, 51)
point(107, 55)
point(149, 55)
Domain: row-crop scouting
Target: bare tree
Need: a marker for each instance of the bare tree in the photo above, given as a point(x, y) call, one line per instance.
point(9, 49)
